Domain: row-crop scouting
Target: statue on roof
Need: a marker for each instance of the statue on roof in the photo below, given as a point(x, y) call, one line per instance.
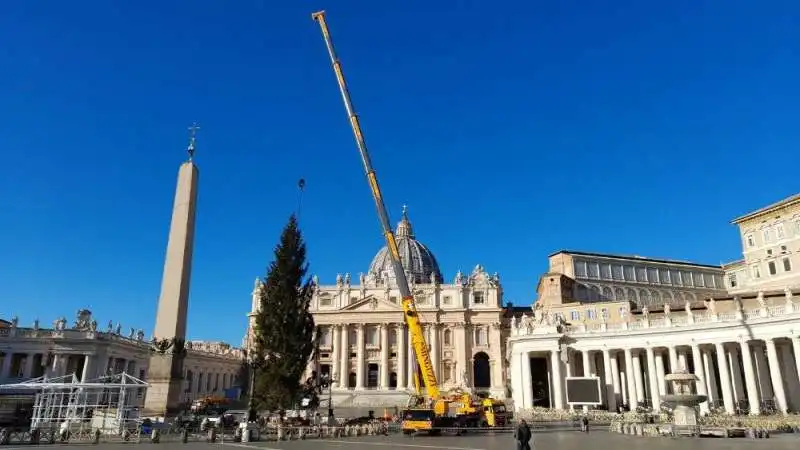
point(761, 302)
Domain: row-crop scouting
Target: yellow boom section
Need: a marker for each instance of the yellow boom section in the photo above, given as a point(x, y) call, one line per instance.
point(409, 307)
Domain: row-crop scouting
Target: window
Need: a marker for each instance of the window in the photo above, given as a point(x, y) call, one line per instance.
point(604, 313)
point(608, 294)
point(656, 297)
point(448, 337)
point(767, 235)
point(769, 252)
point(628, 272)
point(797, 227)
point(756, 271)
point(372, 336)
point(644, 297)
point(325, 300)
point(686, 277)
point(605, 271)
point(641, 274)
point(652, 275)
point(698, 279)
point(580, 269)
point(481, 336)
point(581, 293)
point(787, 265)
point(779, 231)
point(751, 242)
point(421, 299)
point(393, 299)
point(477, 298)
point(574, 315)
point(732, 280)
point(675, 277)
point(783, 249)
point(353, 300)
point(447, 300)
point(616, 272)
point(591, 314)
point(623, 311)
point(663, 275)
point(708, 279)
point(327, 337)
point(772, 269)
point(594, 294)
point(594, 270)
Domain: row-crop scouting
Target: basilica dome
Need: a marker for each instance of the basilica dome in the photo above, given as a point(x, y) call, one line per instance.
point(419, 263)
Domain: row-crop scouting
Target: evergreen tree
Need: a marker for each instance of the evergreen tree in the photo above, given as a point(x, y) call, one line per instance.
point(284, 328)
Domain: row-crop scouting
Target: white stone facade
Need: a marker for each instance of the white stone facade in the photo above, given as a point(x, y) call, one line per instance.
point(89, 352)
point(745, 351)
point(365, 344)
point(743, 344)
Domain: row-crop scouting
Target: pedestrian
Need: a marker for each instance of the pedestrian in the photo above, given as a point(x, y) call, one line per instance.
point(523, 435)
point(585, 424)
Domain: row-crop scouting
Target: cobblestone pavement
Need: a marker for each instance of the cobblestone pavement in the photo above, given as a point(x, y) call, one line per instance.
point(543, 441)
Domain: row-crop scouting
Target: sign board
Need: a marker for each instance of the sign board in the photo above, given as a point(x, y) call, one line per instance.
point(584, 391)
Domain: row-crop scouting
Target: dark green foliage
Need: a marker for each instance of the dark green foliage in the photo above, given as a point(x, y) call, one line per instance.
point(284, 331)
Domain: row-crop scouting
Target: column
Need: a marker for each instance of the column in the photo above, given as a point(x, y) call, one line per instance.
point(360, 350)
point(673, 359)
point(462, 352)
point(775, 374)
point(736, 375)
point(412, 363)
point(29, 365)
point(633, 401)
point(585, 358)
point(762, 369)
point(611, 379)
point(711, 379)
point(662, 382)
point(682, 363)
point(401, 355)
point(750, 379)
point(87, 368)
point(555, 362)
point(792, 384)
point(5, 370)
point(637, 377)
point(697, 359)
point(344, 358)
point(336, 356)
point(725, 379)
point(434, 334)
point(796, 348)
point(525, 373)
point(615, 381)
point(384, 369)
point(652, 375)
point(496, 357)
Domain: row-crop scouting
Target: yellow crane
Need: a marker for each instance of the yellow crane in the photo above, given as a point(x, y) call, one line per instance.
point(431, 415)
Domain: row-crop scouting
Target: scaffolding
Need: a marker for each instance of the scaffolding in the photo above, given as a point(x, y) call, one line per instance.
point(77, 409)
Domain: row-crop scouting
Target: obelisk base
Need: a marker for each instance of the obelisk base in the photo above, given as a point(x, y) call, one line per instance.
point(165, 377)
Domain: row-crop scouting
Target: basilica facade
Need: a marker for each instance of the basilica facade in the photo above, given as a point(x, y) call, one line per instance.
point(365, 345)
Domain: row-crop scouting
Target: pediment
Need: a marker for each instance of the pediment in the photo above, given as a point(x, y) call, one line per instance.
point(372, 303)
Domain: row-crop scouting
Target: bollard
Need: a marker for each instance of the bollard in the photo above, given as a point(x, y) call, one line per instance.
point(242, 433)
point(35, 436)
point(96, 437)
point(212, 435)
point(185, 436)
point(126, 435)
point(155, 436)
point(301, 433)
point(281, 433)
point(63, 435)
point(5, 436)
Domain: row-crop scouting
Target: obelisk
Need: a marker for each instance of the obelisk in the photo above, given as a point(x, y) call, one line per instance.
point(165, 371)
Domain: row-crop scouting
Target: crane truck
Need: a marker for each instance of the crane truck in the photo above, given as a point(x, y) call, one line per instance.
point(428, 411)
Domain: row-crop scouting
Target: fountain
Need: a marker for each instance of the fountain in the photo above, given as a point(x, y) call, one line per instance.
point(684, 397)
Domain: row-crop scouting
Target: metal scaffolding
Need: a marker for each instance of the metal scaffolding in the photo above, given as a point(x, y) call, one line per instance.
point(65, 405)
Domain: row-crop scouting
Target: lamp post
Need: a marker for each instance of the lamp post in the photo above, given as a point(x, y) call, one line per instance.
point(327, 382)
point(251, 366)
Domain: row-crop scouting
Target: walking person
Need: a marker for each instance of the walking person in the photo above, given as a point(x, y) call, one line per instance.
point(523, 435)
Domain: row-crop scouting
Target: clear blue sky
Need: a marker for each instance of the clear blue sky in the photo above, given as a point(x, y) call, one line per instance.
point(511, 129)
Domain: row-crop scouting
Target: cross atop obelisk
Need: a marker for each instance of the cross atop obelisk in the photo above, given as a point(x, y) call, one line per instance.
point(192, 140)
point(166, 364)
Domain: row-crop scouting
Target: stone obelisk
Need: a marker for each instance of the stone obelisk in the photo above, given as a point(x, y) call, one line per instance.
point(165, 371)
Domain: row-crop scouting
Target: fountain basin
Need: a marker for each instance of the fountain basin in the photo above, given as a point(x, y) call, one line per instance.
point(684, 399)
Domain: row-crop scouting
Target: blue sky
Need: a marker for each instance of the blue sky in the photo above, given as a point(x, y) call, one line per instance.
point(511, 129)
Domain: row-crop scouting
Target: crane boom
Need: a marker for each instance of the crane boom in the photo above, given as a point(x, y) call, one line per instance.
point(418, 341)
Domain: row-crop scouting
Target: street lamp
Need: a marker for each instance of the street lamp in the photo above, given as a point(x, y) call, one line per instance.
point(251, 366)
point(327, 382)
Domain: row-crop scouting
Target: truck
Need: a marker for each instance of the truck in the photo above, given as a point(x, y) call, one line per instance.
point(429, 410)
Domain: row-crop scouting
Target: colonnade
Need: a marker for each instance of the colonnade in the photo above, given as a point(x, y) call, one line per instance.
point(740, 375)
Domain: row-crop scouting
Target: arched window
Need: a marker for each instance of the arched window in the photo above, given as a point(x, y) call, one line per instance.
point(608, 294)
point(668, 297)
point(480, 371)
point(594, 293)
point(448, 337)
point(655, 297)
point(644, 297)
point(631, 295)
point(619, 294)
